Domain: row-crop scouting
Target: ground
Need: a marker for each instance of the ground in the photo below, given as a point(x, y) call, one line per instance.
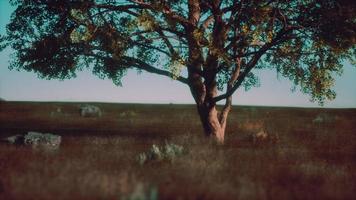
point(302, 153)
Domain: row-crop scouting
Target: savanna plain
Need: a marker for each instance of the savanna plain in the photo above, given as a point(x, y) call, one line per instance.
point(303, 153)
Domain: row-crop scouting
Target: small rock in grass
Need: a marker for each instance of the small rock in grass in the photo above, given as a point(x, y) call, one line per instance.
point(90, 111)
point(169, 153)
point(322, 118)
point(15, 139)
point(36, 139)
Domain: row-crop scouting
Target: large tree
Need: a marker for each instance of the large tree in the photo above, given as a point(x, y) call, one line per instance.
point(213, 47)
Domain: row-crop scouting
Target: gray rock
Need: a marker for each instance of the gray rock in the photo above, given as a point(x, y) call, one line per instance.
point(41, 141)
point(90, 111)
point(324, 118)
point(59, 110)
point(318, 119)
point(57, 113)
point(15, 139)
point(46, 139)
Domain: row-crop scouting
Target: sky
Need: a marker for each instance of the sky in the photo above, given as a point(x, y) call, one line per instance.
point(151, 88)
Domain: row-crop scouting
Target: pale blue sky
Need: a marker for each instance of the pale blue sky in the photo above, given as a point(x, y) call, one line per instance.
point(150, 88)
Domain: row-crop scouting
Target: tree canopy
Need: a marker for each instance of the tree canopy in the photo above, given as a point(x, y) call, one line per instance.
point(208, 45)
point(305, 41)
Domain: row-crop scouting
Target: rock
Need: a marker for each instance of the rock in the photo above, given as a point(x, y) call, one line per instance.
point(59, 110)
point(16, 139)
point(128, 114)
point(324, 118)
point(35, 138)
point(45, 141)
point(56, 113)
point(318, 119)
point(90, 111)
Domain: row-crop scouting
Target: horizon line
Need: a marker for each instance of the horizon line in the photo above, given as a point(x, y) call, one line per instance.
point(158, 103)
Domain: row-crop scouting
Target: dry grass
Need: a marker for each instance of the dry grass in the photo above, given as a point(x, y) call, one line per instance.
point(97, 159)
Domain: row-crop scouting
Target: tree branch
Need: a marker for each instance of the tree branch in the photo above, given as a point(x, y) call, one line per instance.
point(225, 111)
point(139, 64)
point(167, 42)
point(242, 77)
point(279, 38)
point(207, 22)
point(122, 8)
point(141, 5)
point(165, 10)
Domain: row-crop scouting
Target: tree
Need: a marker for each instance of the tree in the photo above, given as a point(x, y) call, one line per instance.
point(214, 47)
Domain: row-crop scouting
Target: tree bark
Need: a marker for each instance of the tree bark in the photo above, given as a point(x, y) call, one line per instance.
point(203, 95)
point(202, 72)
point(210, 121)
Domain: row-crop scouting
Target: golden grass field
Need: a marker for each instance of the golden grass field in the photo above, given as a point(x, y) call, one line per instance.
point(308, 153)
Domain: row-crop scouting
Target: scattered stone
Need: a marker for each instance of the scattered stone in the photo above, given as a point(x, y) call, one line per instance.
point(35, 139)
point(16, 139)
point(90, 111)
point(318, 119)
point(128, 114)
point(168, 152)
point(323, 118)
point(59, 110)
point(45, 141)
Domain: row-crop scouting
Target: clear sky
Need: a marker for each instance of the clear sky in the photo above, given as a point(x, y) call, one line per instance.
point(150, 88)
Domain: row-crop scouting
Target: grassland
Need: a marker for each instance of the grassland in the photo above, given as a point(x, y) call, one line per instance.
point(312, 154)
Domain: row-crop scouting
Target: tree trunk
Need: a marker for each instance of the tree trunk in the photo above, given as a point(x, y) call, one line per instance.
point(214, 124)
point(211, 123)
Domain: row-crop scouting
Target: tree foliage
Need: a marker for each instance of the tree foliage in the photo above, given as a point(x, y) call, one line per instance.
point(224, 42)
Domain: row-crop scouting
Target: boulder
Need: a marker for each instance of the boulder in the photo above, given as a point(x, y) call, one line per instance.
point(36, 139)
point(90, 111)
